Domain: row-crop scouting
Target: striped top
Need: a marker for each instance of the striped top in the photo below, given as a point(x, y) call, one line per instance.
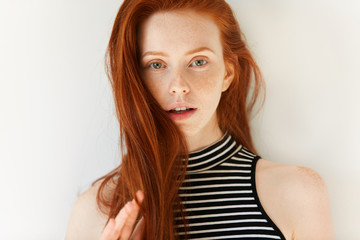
point(220, 198)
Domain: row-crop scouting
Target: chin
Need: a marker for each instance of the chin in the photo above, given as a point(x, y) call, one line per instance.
point(188, 131)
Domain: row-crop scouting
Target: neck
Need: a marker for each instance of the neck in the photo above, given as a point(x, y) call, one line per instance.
point(204, 138)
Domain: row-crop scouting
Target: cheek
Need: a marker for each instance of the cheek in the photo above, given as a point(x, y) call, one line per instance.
point(156, 85)
point(207, 89)
point(208, 83)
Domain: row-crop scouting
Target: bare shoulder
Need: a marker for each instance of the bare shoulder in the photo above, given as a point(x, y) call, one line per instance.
point(297, 177)
point(297, 198)
point(86, 220)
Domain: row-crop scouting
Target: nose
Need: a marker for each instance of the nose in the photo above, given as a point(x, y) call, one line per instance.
point(178, 85)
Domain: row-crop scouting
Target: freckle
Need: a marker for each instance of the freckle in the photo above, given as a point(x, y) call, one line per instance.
point(313, 175)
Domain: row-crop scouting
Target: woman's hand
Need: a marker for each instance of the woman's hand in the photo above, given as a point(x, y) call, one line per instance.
point(122, 227)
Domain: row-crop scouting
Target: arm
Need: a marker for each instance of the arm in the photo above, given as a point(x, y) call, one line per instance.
point(86, 221)
point(310, 205)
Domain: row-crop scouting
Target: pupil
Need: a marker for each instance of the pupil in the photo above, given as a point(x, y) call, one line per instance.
point(199, 62)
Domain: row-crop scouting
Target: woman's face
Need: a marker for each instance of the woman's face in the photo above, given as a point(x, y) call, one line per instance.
point(183, 67)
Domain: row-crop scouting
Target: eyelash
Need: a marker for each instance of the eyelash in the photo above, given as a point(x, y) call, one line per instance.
point(149, 66)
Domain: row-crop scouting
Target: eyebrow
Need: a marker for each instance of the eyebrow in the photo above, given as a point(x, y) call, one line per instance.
point(188, 53)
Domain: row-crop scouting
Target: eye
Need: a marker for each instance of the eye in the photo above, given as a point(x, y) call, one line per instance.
point(199, 63)
point(156, 65)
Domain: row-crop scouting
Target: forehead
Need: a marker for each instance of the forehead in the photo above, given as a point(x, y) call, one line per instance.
point(178, 29)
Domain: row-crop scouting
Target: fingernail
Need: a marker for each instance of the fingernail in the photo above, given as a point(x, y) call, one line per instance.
point(140, 195)
point(112, 221)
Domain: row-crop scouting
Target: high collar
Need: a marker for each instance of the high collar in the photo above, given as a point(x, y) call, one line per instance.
point(213, 154)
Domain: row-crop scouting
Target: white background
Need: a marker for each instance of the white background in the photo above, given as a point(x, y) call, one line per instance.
point(58, 130)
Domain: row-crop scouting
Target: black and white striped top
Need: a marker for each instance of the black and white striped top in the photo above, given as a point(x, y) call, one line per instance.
point(220, 198)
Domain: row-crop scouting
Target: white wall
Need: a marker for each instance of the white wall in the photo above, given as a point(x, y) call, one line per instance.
point(309, 53)
point(58, 130)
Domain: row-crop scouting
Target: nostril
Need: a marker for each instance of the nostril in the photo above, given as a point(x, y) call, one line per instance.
point(183, 91)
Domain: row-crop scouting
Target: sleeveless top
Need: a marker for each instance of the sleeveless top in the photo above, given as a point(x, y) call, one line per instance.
point(220, 198)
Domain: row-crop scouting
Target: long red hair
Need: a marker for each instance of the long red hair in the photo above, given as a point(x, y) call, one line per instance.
point(153, 147)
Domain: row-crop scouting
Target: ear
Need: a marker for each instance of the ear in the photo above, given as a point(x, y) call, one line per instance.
point(229, 75)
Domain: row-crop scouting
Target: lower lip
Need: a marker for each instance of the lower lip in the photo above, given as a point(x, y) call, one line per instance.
point(181, 116)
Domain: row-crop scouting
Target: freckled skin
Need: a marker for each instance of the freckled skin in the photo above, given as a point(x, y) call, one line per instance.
point(176, 33)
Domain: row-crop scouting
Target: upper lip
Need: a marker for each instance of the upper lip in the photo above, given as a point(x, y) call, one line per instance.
point(179, 105)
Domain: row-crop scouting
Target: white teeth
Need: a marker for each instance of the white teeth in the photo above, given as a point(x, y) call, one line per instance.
point(180, 109)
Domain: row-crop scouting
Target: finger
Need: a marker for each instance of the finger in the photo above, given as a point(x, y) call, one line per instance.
point(121, 219)
point(124, 214)
point(140, 196)
point(138, 231)
point(130, 223)
point(109, 228)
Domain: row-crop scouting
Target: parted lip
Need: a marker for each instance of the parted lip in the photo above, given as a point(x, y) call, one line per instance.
point(179, 105)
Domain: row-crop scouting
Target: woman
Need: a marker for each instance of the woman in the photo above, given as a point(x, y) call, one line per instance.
point(181, 76)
